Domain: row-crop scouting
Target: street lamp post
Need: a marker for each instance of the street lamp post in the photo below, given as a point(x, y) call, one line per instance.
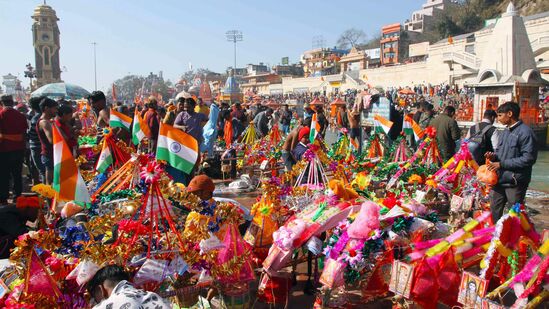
point(30, 72)
point(94, 64)
point(234, 36)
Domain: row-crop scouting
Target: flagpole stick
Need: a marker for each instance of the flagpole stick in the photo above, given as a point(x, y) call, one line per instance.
point(313, 171)
point(324, 177)
point(309, 173)
point(299, 177)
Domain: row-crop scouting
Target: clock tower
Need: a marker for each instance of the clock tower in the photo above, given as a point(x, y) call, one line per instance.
point(45, 38)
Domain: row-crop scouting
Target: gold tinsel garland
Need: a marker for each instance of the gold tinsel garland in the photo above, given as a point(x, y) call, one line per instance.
point(44, 239)
point(232, 266)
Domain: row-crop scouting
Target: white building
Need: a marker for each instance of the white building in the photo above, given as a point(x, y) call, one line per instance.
point(507, 71)
point(424, 18)
point(439, 63)
point(10, 82)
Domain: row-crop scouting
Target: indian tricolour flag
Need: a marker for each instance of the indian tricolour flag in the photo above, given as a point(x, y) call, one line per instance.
point(119, 120)
point(177, 148)
point(382, 123)
point(315, 128)
point(67, 180)
point(411, 127)
point(105, 158)
point(140, 129)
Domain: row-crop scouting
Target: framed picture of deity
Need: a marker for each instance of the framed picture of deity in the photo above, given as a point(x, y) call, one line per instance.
point(471, 290)
point(401, 278)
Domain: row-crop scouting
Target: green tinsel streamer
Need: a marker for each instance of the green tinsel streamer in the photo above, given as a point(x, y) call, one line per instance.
point(371, 246)
point(351, 276)
point(128, 193)
point(364, 193)
point(87, 140)
point(432, 217)
point(321, 262)
point(401, 224)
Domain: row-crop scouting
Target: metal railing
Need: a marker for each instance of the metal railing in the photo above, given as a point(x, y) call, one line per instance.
point(464, 58)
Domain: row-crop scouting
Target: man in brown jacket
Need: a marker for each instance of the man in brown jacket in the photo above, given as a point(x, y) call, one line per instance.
point(448, 132)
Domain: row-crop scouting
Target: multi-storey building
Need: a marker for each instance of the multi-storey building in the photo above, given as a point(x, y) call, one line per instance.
point(389, 43)
point(322, 61)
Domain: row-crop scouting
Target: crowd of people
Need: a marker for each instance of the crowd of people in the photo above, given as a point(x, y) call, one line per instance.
point(26, 136)
point(27, 132)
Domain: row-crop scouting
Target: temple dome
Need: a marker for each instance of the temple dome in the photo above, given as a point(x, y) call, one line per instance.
point(231, 86)
point(44, 10)
point(510, 53)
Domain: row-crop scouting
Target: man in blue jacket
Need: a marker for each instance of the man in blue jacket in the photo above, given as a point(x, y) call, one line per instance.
point(515, 155)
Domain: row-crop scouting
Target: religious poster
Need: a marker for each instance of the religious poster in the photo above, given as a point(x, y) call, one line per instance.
point(401, 278)
point(380, 106)
point(471, 290)
point(251, 234)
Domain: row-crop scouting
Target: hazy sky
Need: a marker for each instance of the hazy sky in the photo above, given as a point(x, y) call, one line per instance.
point(142, 36)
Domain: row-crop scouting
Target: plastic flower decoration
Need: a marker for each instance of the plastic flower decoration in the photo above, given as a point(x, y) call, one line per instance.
point(431, 183)
point(415, 179)
point(431, 132)
point(151, 172)
point(44, 190)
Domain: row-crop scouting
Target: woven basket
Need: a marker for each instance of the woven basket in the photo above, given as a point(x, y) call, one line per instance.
point(187, 297)
point(236, 296)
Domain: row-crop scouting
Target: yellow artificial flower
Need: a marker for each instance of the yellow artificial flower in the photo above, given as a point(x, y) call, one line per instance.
point(44, 190)
point(431, 183)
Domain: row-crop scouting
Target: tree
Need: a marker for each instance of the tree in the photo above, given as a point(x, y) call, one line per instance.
point(130, 86)
point(351, 38)
point(127, 88)
point(372, 43)
point(200, 72)
point(446, 26)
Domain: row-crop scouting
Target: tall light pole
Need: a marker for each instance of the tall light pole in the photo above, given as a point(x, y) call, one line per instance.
point(30, 73)
point(234, 36)
point(94, 64)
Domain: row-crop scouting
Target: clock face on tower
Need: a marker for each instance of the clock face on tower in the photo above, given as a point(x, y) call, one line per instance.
point(45, 37)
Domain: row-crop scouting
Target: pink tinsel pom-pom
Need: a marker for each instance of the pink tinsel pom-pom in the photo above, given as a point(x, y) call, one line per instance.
point(366, 221)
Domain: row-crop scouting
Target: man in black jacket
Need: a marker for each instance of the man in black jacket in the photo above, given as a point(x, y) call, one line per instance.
point(483, 137)
point(515, 155)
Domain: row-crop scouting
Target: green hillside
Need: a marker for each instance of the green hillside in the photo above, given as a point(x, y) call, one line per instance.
point(525, 7)
point(470, 15)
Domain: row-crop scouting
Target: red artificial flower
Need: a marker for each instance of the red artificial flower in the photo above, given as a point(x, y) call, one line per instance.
point(431, 131)
point(389, 202)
